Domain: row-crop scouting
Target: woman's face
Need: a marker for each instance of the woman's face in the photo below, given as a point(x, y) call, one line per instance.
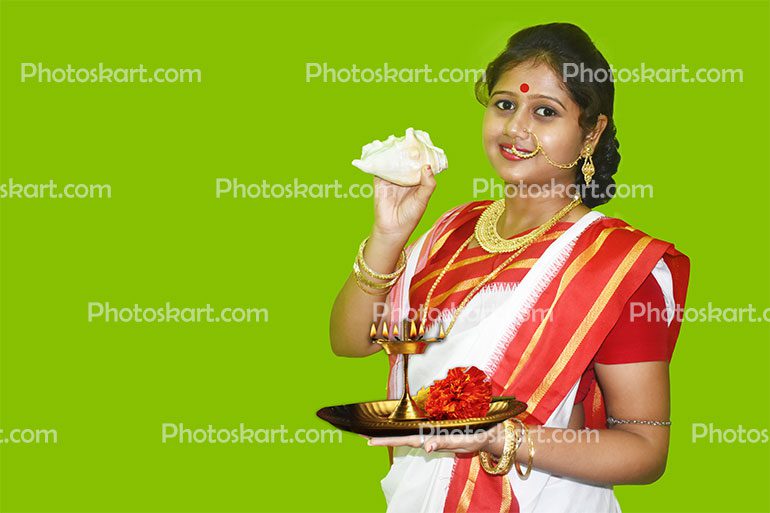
point(532, 97)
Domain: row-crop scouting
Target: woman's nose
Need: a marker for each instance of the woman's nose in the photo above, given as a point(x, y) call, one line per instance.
point(515, 126)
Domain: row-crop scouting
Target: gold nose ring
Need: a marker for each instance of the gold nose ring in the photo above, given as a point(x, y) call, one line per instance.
point(525, 155)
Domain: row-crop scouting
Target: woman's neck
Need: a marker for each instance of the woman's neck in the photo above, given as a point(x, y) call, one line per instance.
point(524, 213)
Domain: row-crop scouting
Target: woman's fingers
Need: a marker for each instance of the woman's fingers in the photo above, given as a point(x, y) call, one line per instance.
point(427, 178)
point(427, 183)
point(429, 443)
point(456, 443)
point(395, 441)
point(447, 443)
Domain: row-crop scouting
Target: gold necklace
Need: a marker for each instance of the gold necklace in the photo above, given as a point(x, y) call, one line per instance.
point(491, 276)
point(492, 242)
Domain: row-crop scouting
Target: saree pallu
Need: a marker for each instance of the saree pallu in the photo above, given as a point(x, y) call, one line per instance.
point(578, 283)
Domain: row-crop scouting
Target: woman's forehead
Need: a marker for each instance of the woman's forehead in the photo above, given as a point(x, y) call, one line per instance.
point(532, 79)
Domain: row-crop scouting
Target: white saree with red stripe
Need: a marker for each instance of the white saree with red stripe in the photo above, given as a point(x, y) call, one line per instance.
point(534, 330)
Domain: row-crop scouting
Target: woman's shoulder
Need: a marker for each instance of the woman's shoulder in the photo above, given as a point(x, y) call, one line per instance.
point(605, 227)
point(613, 240)
point(610, 243)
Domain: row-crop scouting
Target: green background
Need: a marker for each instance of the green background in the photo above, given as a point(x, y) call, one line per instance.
point(163, 236)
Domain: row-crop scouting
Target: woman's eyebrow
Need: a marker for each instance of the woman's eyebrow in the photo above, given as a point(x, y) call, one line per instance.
point(551, 98)
point(534, 95)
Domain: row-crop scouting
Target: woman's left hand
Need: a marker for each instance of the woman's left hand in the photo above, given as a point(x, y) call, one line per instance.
point(459, 443)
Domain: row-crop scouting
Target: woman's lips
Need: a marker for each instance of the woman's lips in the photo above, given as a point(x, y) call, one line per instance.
point(504, 151)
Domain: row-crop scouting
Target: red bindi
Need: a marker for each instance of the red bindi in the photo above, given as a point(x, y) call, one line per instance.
point(524, 87)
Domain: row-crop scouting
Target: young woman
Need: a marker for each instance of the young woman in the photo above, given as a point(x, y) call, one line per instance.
point(562, 307)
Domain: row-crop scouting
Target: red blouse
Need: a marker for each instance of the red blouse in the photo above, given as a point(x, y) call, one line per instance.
point(631, 341)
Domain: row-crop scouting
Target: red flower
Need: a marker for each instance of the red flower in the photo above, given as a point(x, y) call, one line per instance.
point(464, 393)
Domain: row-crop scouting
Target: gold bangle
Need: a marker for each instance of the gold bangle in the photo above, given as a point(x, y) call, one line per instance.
point(372, 284)
point(400, 265)
point(530, 453)
point(362, 286)
point(379, 289)
point(503, 466)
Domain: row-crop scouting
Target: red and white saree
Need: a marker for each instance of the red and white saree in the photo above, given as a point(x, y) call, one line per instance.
point(535, 329)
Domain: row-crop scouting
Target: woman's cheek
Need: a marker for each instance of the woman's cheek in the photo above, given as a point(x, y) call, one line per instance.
point(491, 135)
point(489, 126)
point(557, 147)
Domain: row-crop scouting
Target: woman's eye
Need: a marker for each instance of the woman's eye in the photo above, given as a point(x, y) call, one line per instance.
point(545, 112)
point(504, 104)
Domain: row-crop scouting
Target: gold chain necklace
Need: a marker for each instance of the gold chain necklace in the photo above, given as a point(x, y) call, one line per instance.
point(492, 242)
point(491, 276)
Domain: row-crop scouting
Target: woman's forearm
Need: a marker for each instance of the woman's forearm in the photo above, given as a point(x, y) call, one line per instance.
point(603, 457)
point(354, 310)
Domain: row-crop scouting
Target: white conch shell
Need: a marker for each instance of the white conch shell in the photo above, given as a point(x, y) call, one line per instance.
point(400, 159)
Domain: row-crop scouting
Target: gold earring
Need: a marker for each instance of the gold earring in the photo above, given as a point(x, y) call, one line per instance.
point(588, 164)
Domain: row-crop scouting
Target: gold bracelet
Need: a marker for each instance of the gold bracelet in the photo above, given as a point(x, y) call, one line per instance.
point(370, 287)
point(363, 286)
point(503, 466)
point(372, 284)
point(611, 421)
point(530, 452)
point(400, 265)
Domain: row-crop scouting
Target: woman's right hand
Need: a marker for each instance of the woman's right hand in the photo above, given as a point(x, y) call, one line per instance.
point(398, 209)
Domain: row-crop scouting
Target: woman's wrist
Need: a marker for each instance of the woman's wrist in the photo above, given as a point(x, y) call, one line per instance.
point(522, 454)
point(382, 255)
point(379, 264)
point(495, 441)
point(395, 239)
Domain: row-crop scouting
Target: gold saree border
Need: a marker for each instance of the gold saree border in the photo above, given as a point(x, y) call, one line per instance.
point(470, 484)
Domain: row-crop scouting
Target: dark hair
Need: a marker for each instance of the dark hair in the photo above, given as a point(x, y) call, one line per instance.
point(558, 44)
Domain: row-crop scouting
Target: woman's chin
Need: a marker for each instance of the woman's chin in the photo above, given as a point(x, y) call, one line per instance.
point(513, 176)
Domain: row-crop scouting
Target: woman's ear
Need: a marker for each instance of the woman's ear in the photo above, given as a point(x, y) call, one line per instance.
point(593, 136)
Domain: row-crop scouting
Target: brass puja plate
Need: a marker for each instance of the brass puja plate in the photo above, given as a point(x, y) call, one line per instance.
point(371, 418)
